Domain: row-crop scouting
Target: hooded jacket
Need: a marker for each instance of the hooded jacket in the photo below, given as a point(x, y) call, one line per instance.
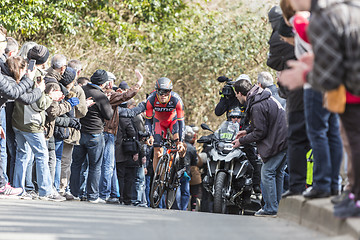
point(267, 123)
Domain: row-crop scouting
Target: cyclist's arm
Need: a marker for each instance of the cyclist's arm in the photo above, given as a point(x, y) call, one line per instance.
point(149, 117)
point(180, 119)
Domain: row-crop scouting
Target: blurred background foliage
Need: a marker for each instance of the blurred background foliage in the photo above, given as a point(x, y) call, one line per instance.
point(191, 42)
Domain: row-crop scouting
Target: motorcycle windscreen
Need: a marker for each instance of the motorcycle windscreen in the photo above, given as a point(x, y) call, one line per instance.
point(227, 131)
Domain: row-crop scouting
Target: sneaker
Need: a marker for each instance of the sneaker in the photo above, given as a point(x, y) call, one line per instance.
point(348, 210)
point(98, 200)
point(33, 194)
point(113, 200)
point(26, 196)
point(69, 196)
point(340, 198)
point(56, 197)
point(262, 213)
point(8, 190)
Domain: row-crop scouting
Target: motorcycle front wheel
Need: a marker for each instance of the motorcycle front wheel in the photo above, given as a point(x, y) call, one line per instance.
point(219, 198)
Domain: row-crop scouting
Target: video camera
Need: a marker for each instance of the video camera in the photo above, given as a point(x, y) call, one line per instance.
point(227, 90)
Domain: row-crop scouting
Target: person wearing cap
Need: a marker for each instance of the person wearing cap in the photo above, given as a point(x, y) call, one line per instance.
point(92, 142)
point(108, 170)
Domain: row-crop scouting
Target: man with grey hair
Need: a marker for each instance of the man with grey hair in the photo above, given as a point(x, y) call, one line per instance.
point(58, 66)
point(266, 81)
point(77, 65)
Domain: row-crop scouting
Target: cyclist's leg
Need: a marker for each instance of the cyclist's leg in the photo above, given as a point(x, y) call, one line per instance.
point(158, 151)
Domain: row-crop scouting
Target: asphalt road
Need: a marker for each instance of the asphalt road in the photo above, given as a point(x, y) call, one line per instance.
point(36, 219)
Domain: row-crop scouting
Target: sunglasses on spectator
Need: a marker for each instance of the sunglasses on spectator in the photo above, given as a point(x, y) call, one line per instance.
point(162, 92)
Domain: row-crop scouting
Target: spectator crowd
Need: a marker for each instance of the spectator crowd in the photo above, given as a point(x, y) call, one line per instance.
point(63, 134)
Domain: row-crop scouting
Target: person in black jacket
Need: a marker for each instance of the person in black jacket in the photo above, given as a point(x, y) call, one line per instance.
point(92, 141)
point(126, 162)
point(299, 145)
point(268, 129)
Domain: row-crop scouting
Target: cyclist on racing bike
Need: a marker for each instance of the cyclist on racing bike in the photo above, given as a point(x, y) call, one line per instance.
point(164, 110)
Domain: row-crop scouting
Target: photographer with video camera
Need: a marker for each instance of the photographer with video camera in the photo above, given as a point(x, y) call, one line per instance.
point(229, 102)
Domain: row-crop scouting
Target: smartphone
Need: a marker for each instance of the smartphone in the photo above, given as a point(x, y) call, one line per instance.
point(31, 64)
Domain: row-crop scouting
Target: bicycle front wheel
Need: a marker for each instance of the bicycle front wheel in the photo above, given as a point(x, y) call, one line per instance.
point(172, 188)
point(158, 184)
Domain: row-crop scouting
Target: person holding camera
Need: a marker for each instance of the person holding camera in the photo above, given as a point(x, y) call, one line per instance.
point(228, 102)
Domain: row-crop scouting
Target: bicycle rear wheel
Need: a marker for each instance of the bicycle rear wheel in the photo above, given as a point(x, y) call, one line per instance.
point(173, 186)
point(158, 184)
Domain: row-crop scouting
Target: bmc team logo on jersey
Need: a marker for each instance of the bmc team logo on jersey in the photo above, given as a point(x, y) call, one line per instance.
point(163, 109)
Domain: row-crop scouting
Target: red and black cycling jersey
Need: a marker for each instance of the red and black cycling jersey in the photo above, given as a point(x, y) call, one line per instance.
point(165, 114)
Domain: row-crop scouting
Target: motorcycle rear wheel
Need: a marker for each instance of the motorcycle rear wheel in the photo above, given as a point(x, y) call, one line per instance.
point(220, 187)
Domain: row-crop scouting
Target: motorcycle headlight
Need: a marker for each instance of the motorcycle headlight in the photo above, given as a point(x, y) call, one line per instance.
point(221, 146)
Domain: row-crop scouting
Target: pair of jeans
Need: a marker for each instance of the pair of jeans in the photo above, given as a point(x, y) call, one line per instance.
point(107, 166)
point(115, 189)
point(182, 195)
point(147, 188)
point(324, 135)
point(139, 186)
point(84, 173)
point(91, 146)
point(29, 183)
point(59, 144)
point(3, 153)
point(272, 180)
point(35, 142)
point(298, 146)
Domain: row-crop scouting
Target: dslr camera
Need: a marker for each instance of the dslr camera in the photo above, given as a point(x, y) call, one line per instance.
point(227, 90)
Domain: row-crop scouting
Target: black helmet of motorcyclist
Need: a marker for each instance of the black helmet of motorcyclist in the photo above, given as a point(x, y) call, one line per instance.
point(236, 113)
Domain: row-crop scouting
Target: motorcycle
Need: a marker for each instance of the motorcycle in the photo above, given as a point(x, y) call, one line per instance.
point(229, 172)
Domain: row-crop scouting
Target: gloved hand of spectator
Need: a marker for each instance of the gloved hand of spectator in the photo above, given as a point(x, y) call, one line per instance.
point(73, 101)
point(75, 123)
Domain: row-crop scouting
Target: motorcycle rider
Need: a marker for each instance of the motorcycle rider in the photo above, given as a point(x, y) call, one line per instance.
point(237, 114)
point(164, 110)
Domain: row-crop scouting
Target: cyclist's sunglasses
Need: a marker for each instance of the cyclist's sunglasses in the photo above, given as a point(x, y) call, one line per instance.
point(163, 92)
point(235, 117)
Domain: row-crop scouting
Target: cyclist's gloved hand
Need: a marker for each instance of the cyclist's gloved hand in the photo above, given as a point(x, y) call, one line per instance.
point(181, 148)
point(150, 141)
point(73, 101)
point(186, 176)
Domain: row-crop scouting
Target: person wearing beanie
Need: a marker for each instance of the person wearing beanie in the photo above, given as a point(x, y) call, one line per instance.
point(92, 141)
point(68, 76)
